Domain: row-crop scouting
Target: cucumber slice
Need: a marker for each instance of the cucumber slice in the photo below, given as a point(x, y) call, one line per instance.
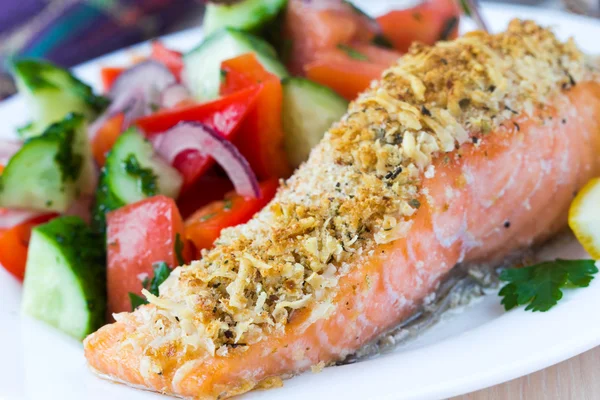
point(248, 15)
point(51, 93)
point(309, 110)
point(202, 65)
point(132, 173)
point(65, 278)
point(50, 171)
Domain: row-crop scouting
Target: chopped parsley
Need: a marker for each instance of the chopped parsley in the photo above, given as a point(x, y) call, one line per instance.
point(414, 203)
point(68, 161)
point(449, 25)
point(466, 8)
point(161, 273)
point(352, 53)
point(64, 133)
point(539, 286)
point(381, 41)
point(147, 179)
point(179, 249)
point(207, 217)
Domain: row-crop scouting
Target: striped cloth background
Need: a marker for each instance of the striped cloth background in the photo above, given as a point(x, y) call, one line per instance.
point(69, 32)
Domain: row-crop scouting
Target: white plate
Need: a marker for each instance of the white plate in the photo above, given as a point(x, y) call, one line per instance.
point(480, 347)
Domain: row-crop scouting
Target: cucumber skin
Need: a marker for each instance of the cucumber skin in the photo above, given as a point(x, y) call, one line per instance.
point(53, 92)
point(72, 165)
point(258, 14)
point(105, 202)
point(84, 251)
point(296, 92)
point(266, 54)
point(107, 195)
point(31, 72)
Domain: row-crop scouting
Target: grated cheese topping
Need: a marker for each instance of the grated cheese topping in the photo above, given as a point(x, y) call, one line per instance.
point(360, 187)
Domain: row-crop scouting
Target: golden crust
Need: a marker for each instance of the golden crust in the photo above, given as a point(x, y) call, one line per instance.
point(359, 188)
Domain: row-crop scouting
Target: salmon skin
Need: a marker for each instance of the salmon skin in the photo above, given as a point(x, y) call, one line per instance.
point(465, 151)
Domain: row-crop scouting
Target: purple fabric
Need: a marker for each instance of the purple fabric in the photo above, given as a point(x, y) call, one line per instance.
point(16, 12)
point(69, 32)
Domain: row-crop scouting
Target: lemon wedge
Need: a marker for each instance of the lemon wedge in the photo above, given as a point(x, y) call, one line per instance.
point(584, 217)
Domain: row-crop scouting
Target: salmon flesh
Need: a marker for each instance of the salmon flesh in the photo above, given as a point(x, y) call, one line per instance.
point(465, 151)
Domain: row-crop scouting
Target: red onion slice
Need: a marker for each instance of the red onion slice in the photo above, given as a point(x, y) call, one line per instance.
point(131, 104)
point(11, 217)
point(82, 208)
point(150, 76)
point(136, 93)
point(173, 95)
point(201, 138)
point(7, 150)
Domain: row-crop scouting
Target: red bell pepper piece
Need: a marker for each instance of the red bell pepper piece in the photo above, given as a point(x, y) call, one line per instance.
point(224, 115)
point(139, 235)
point(109, 75)
point(170, 58)
point(205, 225)
point(427, 23)
point(106, 137)
point(262, 139)
point(14, 244)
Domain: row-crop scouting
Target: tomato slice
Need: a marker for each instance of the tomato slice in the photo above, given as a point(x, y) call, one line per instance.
point(261, 141)
point(427, 23)
point(106, 137)
point(109, 75)
point(312, 27)
point(14, 244)
point(170, 58)
point(205, 225)
point(351, 69)
point(139, 235)
point(224, 115)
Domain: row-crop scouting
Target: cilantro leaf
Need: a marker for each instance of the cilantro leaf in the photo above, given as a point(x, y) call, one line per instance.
point(539, 286)
point(161, 273)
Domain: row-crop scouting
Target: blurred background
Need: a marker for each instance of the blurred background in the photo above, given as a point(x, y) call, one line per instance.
point(70, 32)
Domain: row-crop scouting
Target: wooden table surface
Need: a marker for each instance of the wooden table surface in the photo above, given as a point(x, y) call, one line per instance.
point(573, 379)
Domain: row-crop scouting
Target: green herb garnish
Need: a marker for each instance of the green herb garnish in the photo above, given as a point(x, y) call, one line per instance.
point(161, 273)
point(179, 249)
point(539, 286)
point(352, 53)
point(414, 203)
point(207, 217)
point(146, 176)
point(381, 41)
point(449, 25)
point(465, 7)
point(67, 159)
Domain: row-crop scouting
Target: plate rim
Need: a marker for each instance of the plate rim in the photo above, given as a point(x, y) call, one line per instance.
point(565, 350)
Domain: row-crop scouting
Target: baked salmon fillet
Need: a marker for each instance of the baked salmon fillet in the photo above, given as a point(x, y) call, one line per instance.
point(465, 151)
